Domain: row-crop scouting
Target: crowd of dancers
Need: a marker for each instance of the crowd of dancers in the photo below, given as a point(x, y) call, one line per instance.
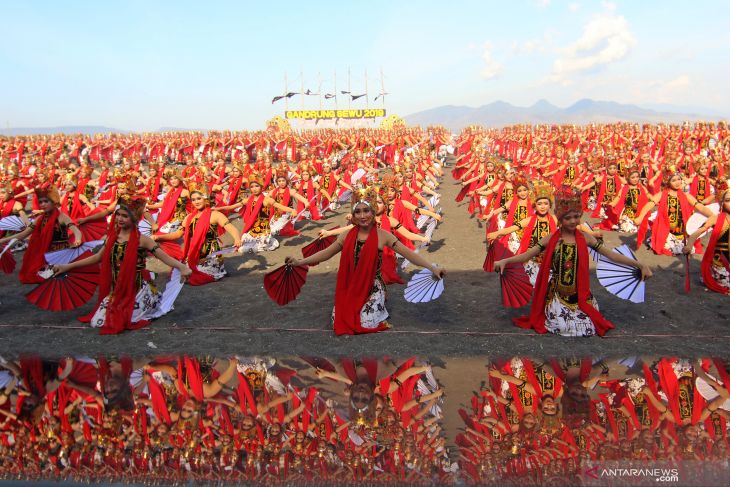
point(91, 210)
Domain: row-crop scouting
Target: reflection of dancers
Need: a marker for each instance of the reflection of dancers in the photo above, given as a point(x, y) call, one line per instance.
point(127, 297)
point(360, 292)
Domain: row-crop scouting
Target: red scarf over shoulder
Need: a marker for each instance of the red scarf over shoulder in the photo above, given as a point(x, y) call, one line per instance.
point(354, 283)
point(707, 259)
point(529, 228)
point(121, 301)
point(388, 268)
point(250, 211)
point(660, 230)
point(536, 318)
point(168, 205)
point(34, 257)
point(193, 243)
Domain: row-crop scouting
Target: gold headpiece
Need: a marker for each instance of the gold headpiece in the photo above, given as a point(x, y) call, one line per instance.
point(200, 188)
point(368, 195)
point(567, 199)
point(720, 189)
point(256, 178)
point(543, 190)
point(135, 205)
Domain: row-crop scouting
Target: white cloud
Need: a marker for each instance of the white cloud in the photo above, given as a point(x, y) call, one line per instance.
point(543, 3)
point(573, 7)
point(542, 45)
point(605, 40)
point(491, 67)
point(668, 91)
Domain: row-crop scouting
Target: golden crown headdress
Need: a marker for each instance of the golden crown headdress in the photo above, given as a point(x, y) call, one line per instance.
point(567, 199)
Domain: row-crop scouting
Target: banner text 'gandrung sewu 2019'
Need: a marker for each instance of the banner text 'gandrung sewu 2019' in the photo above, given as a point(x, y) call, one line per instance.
point(353, 113)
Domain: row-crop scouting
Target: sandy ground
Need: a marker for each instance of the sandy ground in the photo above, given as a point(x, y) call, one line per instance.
point(236, 316)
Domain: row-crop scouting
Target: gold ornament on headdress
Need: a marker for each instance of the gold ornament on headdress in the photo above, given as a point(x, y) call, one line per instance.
point(256, 178)
point(201, 188)
point(135, 205)
point(567, 199)
point(368, 195)
point(542, 190)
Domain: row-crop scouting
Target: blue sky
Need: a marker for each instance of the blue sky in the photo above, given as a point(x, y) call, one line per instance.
point(145, 64)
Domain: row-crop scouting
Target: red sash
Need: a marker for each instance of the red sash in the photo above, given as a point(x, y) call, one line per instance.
point(707, 259)
point(354, 283)
point(309, 194)
point(250, 212)
point(527, 232)
point(536, 318)
point(168, 205)
point(121, 302)
point(660, 229)
point(388, 267)
point(34, 256)
point(193, 244)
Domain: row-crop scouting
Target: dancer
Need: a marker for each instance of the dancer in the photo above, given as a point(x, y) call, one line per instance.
point(201, 230)
point(716, 261)
point(48, 232)
point(562, 302)
point(360, 291)
point(128, 299)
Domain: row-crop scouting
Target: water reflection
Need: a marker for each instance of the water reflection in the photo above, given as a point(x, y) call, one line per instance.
point(583, 421)
point(314, 420)
point(242, 419)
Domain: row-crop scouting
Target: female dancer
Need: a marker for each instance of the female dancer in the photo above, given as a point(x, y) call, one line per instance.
point(360, 292)
point(629, 201)
point(256, 213)
point(527, 232)
point(173, 209)
point(200, 229)
point(716, 261)
point(562, 302)
point(48, 232)
point(127, 297)
point(674, 207)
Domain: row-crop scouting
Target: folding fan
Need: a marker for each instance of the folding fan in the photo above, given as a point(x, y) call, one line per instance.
point(64, 256)
point(63, 292)
point(345, 196)
point(94, 230)
point(423, 287)
point(621, 280)
point(496, 251)
point(7, 261)
point(319, 244)
point(357, 175)
point(145, 227)
point(12, 223)
point(698, 219)
point(225, 250)
point(284, 283)
point(514, 281)
point(170, 294)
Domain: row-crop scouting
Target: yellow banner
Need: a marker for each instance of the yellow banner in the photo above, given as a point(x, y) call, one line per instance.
point(353, 113)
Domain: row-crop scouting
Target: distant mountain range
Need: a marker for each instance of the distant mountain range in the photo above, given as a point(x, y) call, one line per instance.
point(496, 114)
point(584, 111)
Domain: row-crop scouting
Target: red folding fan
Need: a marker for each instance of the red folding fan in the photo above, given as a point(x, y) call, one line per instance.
point(319, 244)
point(515, 284)
point(7, 261)
point(284, 283)
point(94, 230)
point(496, 251)
point(67, 291)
